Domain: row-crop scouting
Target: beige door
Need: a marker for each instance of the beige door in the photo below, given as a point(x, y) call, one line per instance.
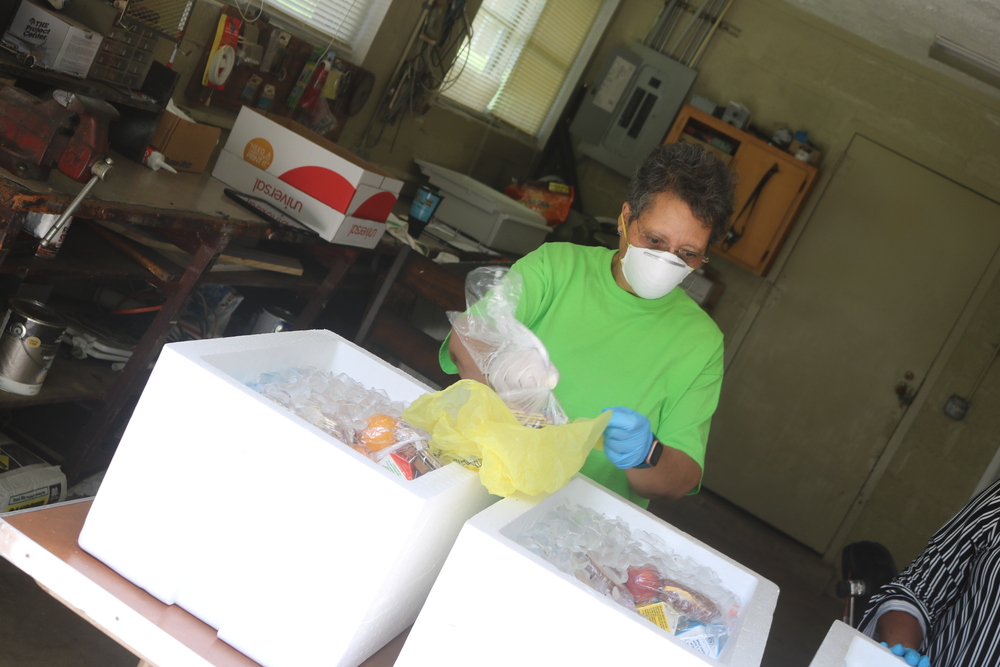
point(863, 304)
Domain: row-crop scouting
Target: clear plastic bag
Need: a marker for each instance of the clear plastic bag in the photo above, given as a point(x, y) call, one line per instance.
point(513, 359)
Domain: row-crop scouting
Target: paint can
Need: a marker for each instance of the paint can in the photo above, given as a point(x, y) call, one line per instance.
point(271, 319)
point(31, 335)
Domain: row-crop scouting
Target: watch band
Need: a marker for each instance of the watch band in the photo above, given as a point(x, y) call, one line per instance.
point(653, 457)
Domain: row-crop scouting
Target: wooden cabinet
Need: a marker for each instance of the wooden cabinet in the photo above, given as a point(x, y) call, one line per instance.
point(771, 190)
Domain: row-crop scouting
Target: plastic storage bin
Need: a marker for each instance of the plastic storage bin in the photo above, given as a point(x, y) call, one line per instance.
point(846, 647)
point(490, 217)
point(296, 548)
point(496, 603)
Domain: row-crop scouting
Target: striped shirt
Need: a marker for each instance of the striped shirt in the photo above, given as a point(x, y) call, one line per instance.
point(953, 588)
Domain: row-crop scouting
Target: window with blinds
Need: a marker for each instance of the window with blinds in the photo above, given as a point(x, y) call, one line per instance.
point(524, 57)
point(351, 22)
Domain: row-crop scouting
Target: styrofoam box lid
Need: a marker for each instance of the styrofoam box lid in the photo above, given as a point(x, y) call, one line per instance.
point(846, 647)
point(482, 196)
point(530, 600)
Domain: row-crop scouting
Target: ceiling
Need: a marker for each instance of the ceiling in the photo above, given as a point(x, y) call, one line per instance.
point(907, 27)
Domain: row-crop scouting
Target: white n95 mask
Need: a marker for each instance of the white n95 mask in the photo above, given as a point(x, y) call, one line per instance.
point(652, 273)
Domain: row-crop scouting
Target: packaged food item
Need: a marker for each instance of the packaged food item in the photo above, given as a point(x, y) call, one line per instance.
point(639, 572)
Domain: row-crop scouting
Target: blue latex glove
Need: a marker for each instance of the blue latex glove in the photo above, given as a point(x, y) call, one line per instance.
point(627, 438)
point(909, 656)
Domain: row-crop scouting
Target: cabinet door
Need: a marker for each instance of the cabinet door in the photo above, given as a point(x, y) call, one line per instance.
point(757, 234)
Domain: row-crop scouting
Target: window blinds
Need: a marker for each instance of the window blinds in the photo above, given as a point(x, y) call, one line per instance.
point(351, 22)
point(519, 57)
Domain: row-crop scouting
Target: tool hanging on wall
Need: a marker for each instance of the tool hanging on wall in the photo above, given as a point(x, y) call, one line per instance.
point(733, 236)
point(222, 58)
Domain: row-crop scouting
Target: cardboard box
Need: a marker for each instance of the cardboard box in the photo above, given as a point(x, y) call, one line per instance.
point(805, 152)
point(297, 548)
point(26, 480)
point(846, 647)
point(186, 146)
point(329, 223)
point(496, 603)
point(314, 165)
point(56, 41)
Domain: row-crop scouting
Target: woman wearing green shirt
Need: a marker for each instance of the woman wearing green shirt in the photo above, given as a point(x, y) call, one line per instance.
point(621, 334)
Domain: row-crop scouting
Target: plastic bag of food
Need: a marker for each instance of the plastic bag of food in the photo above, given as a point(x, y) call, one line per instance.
point(550, 200)
point(513, 359)
point(469, 423)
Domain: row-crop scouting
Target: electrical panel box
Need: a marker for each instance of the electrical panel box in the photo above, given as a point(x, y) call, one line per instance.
point(630, 106)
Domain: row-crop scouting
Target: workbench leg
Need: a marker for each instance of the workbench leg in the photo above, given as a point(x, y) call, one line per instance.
point(87, 456)
point(11, 222)
point(340, 259)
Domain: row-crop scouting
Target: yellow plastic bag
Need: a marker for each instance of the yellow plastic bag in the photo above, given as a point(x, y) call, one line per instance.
point(468, 421)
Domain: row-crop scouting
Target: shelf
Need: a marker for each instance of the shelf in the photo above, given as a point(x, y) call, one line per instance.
point(73, 84)
point(68, 380)
point(83, 254)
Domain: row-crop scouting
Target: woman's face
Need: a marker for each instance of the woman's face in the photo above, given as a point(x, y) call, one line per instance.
point(668, 224)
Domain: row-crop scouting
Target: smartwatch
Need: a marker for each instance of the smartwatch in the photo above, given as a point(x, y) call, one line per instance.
point(653, 457)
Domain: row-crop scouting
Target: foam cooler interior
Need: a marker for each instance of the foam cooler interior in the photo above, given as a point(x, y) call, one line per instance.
point(296, 548)
point(496, 603)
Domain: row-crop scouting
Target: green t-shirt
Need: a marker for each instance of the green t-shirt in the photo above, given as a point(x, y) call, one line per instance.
point(660, 357)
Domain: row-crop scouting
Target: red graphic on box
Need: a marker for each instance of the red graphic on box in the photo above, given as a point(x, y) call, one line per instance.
point(377, 207)
point(323, 184)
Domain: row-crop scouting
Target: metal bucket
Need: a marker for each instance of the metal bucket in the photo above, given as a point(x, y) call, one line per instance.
point(31, 334)
point(271, 319)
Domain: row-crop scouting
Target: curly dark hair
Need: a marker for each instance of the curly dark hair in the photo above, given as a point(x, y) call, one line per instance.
point(689, 171)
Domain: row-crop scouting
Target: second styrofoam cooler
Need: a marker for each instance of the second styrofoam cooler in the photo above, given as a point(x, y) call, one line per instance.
point(844, 646)
point(496, 603)
point(295, 547)
point(489, 216)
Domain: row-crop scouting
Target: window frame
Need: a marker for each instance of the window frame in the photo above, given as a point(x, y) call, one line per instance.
point(573, 75)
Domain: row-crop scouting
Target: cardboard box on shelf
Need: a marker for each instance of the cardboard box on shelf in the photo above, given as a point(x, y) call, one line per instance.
point(525, 603)
point(26, 480)
point(314, 165)
point(805, 152)
point(186, 145)
point(55, 40)
point(298, 549)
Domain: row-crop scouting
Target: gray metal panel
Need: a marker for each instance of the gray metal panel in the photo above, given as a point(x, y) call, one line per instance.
point(643, 111)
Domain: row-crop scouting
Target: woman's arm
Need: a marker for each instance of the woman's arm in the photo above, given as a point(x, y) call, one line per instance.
point(673, 476)
point(460, 356)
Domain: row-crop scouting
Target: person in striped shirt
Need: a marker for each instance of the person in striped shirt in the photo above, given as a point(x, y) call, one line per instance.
point(944, 609)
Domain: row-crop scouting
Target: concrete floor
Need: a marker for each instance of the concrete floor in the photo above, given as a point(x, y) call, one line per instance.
point(36, 630)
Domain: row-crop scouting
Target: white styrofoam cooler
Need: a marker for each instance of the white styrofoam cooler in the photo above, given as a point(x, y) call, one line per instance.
point(496, 603)
point(296, 548)
point(846, 647)
point(489, 216)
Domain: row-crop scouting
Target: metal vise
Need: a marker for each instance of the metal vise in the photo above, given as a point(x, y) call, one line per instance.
point(67, 131)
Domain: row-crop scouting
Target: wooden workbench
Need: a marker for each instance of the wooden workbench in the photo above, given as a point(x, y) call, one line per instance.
point(188, 210)
point(42, 542)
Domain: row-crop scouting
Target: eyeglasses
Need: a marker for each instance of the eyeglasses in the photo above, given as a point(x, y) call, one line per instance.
point(689, 257)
